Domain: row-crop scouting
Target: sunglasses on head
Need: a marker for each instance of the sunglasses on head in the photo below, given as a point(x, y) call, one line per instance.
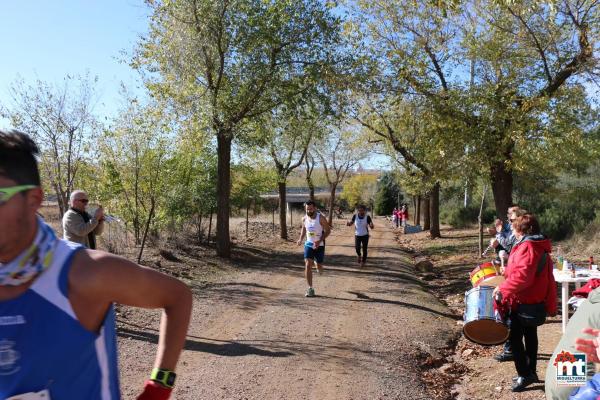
point(8, 192)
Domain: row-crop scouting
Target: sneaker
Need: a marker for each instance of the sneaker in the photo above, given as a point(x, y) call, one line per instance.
point(533, 376)
point(502, 357)
point(310, 292)
point(522, 382)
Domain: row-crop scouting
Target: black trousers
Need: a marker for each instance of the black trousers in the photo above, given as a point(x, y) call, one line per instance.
point(361, 241)
point(524, 343)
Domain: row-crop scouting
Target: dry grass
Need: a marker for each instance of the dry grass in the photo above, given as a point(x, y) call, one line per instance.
point(584, 244)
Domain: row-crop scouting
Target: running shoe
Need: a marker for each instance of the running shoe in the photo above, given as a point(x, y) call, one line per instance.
point(310, 292)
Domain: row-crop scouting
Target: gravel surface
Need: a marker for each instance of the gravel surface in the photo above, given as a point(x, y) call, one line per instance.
point(370, 333)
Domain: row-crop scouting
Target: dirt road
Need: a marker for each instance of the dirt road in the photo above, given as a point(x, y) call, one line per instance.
point(255, 336)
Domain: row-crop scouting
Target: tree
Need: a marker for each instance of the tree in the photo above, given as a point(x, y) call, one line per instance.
point(248, 184)
point(60, 119)
point(388, 194)
point(528, 61)
point(135, 153)
point(310, 163)
point(360, 189)
point(234, 61)
point(339, 152)
point(289, 135)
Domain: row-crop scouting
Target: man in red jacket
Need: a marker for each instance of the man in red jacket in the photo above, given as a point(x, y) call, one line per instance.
point(527, 282)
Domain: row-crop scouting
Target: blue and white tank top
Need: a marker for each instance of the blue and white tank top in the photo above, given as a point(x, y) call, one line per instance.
point(44, 347)
point(314, 230)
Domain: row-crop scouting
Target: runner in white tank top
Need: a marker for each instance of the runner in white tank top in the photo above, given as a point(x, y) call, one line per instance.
point(316, 229)
point(362, 222)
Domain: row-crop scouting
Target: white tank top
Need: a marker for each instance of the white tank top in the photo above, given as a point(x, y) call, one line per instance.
point(360, 225)
point(314, 229)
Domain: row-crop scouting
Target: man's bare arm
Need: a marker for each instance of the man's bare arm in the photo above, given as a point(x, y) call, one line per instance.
point(103, 278)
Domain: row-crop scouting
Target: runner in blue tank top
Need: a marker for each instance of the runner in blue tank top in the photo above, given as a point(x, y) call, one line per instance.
point(57, 323)
point(315, 228)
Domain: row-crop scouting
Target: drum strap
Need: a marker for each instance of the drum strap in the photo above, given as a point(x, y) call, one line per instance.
point(541, 264)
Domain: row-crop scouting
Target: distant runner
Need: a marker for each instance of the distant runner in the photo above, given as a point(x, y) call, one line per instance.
point(315, 228)
point(362, 223)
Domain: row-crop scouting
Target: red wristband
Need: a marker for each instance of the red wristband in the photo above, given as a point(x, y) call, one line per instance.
point(155, 391)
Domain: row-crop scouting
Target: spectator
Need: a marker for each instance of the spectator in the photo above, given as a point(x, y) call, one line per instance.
point(78, 225)
point(529, 292)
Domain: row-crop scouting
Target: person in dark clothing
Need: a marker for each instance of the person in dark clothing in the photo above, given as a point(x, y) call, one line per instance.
point(362, 222)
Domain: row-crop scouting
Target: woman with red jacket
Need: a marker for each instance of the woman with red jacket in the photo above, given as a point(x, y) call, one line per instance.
point(528, 282)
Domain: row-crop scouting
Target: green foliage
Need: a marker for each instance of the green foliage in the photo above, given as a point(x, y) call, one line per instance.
point(360, 189)
point(388, 194)
point(60, 119)
point(462, 217)
point(249, 183)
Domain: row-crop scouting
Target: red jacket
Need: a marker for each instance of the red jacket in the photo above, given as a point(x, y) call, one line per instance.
point(522, 285)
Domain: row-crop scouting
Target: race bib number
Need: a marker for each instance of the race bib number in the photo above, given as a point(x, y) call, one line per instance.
point(43, 395)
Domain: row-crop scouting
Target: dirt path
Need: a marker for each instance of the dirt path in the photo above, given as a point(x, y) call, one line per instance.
point(255, 336)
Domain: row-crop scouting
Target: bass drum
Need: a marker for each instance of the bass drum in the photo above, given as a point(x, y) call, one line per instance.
point(482, 324)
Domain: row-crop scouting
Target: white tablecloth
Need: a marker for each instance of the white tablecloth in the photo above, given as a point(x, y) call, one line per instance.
point(564, 278)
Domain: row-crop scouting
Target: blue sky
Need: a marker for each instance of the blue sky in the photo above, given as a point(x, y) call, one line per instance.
point(50, 39)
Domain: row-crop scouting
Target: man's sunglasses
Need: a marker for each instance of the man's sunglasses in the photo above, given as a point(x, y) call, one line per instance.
point(8, 192)
point(84, 201)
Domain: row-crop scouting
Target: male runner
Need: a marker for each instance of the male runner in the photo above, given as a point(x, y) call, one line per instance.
point(316, 228)
point(57, 322)
point(362, 223)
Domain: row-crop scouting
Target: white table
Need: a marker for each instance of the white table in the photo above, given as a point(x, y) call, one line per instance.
point(564, 278)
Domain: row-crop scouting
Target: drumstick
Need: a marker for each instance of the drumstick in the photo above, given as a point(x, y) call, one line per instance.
point(486, 250)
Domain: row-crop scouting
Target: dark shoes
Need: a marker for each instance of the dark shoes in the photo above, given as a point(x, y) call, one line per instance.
point(521, 382)
point(504, 357)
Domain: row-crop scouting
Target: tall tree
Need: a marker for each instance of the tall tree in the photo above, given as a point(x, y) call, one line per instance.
point(528, 60)
point(288, 133)
point(61, 120)
point(235, 61)
point(339, 152)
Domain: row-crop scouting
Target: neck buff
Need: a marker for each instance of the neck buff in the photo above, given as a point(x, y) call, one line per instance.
point(33, 260)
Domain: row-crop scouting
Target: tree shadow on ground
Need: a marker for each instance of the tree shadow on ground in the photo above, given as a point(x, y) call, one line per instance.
point(225, 348)
point(361, 297)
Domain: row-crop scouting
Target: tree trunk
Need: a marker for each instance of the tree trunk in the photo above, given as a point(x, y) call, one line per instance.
point(502, 187)
point(273, 226)
point(223, 194)
point(427, 212)
point(311, 189)
point(200, 228)
point(152, 204)
point(480, 222)
point(209, 226)
point(331, 203)
point(434, 204)
point(247, 212)
point(281, 186)
point(417, 210)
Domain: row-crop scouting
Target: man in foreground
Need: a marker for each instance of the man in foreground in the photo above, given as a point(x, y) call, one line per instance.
point(315, 228)
point(57, 323)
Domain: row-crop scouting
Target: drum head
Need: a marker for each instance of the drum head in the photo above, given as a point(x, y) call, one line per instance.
point(486, 331)
point(492, 281)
